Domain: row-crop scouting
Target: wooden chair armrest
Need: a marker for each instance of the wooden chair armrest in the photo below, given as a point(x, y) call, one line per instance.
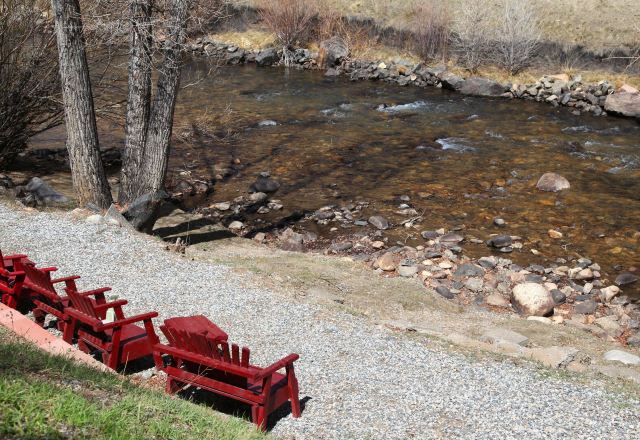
point(265, 372)
point(96, 292)
point(47, 269)
point(110, 305)
point(126, 321)
point(203, 360)
point(65, 279)
point(15, 257)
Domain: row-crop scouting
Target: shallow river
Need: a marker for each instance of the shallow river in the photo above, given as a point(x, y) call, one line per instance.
point(461, 160)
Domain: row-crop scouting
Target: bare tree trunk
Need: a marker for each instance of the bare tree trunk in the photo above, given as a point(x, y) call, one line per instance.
point(139, 96)
point(87, 171)
point(153, 171)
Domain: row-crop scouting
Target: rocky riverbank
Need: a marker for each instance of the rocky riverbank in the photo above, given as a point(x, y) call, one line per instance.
point(599, 99)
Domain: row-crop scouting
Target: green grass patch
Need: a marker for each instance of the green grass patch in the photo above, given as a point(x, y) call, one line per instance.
point(44, 396)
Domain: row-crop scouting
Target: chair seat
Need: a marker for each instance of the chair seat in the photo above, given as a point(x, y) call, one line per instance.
point(129, 333)
point(278, 380)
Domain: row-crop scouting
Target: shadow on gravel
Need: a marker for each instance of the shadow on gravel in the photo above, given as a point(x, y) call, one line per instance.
point(237, 409)
point(194, 232)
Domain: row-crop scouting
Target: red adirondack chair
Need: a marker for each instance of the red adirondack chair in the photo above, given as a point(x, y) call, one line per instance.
point(41, 291)
point(203, 359)
point(120, 341)
point(11, 284)
point(7, 262)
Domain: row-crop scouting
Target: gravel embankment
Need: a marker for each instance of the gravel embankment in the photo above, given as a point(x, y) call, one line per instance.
point(359, 381)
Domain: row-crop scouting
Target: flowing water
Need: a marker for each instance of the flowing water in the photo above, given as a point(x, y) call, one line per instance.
point(461, 160)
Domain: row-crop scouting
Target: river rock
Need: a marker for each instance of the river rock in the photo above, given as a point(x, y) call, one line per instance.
point(626, 278)
point(532, 299)
point(481, 87)
point(552, 182)
point(554, 357)
point(379, 222)
point(144, 211)
point(445, 292)
point(332, 52)
point(556, 235)
point(623, 103)
point(291, 241)
point(407, 271)
point(500, 241)
point(469, 270)
point(608, 293)
point(429, 235)
point(558, 296)
point(610, 325)
point(45, 194)
point(587, 307)
point(267, 57)
point(264, 183)
point(451, 239)
point(497, 300)
point(387, 262)
point(258, 197)
point(622, 356)
point(497, 335)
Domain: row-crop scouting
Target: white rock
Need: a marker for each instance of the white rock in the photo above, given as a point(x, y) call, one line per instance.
point(610, 292)
point(500, 334)
point(552, 182)
point(236, 225)
point(531, 299)
point(622, 356)
point(95, 219)
point(554, 357)
point(540, 319)
point(497, 300)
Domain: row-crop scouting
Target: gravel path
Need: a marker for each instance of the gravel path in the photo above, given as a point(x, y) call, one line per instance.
point(361, 381)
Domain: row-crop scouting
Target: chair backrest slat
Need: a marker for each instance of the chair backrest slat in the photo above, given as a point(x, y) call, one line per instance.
point(37, 280)
point(82, 304)
point(235, 354)
point(245, 357)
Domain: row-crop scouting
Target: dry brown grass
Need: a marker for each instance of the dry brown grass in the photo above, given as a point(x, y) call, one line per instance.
point(598, 25)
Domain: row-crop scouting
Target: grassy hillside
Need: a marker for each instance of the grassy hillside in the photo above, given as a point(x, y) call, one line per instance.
point(598, 25)
point(43, 396)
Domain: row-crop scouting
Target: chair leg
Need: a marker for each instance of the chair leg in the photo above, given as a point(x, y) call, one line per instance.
point(173, 386)
point(68, 332)
point(294, 392)
point(39, 316)
point(259, 417)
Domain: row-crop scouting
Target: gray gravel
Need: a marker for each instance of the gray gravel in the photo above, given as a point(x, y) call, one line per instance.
point(361, 381)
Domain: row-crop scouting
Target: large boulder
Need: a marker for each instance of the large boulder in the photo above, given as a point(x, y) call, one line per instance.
point(532, 299)
point(144, 211)
point(45, 194)
point(552, 182)
point(332, 52)
point(267, 57)
point(450, 80)
point(482, 87)
point(623, 103)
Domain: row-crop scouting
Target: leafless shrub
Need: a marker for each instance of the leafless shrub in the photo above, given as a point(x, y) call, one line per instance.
point(472, 34)
point(29, 95)
point(432, 27)
point(289, 20)
point(517, 36)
